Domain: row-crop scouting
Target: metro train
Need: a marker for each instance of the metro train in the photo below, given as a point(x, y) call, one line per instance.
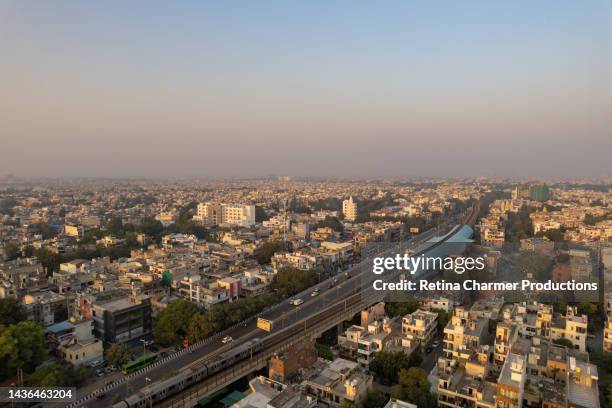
point(161, 390)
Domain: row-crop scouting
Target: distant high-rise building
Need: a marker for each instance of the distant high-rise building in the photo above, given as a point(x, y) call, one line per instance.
point(539, 192)
point(349, 209)
point(516, 193)
point(237, 214)
point(232, 214)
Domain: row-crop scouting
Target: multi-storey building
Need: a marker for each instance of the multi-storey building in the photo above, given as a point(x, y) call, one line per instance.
point(340, 380)
point(362, 342)
point(506, 335)
point(463, 332)
point(300, 260)
point(230, 214)
point(238, 215)
point(349, 209)
point(464, 382)
point(511, 382)
point(571, 327)
point(418, 329)
point(121, 319)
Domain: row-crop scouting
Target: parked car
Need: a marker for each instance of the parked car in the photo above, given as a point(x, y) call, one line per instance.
point(435, 344)
point(227, 339)
point(97, 363)
point(100, 372)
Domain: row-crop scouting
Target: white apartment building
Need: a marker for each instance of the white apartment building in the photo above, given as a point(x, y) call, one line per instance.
point(230, 214)
point(571, 327)
point(239, 215)
point(349, 209)
point(299, 260)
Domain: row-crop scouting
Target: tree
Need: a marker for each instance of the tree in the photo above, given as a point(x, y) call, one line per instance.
point(79, 375)
point(49, 260)
point(7, 204)
point(374, 399)
point(414, 387)
point(331, 222)
point(260, 214)
point(199, 328)
point(267, 251)
point(443, 318)
point(51, 375)
point(552, 234)
point(22, 345)
point(539, 265)
point(11, 312)
point(172, 322)
point(115, 226)
point(386, 365)
point(564, 342)
point(118, 354)
point(289, 281)
point(46, 230)
point(394, 309)
point(11, 251)
point(151, 227)
point(347, 404)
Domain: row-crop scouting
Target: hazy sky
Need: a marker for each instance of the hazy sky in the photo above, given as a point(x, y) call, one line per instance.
point(311, 88)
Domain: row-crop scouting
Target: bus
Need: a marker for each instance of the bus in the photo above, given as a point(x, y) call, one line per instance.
point(137, 364)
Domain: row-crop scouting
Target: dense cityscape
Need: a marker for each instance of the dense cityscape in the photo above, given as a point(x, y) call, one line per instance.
point(315, 204)
point(107, 283)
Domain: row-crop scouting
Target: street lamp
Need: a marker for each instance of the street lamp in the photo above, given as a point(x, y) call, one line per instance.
point(147, 381)
point(144, 346)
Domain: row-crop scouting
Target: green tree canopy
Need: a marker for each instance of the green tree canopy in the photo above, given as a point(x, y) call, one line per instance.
point(11, 251)
point(118, 354)
point(387, 364)
point(374, 399)
point(22, 345)
point(267, 251)
point(564, 342)
point(289, 281)
point(331, 222)
point(394, 309)
point(50, 375)
point(536, 263)
point(199, 328)
point(414, 387)
point(173, 322)
point(11, 312)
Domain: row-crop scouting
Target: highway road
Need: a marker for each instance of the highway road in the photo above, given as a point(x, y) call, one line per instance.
point(283, 315)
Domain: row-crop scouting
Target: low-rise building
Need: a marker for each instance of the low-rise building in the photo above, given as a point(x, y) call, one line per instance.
point(419, 329)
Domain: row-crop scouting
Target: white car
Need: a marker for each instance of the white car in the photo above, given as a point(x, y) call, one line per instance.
point(297, 302)
point(227, 339)
point(315, 293)
point(96, 363)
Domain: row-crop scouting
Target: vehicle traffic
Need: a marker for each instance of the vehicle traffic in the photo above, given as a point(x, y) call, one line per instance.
point(161, 390)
